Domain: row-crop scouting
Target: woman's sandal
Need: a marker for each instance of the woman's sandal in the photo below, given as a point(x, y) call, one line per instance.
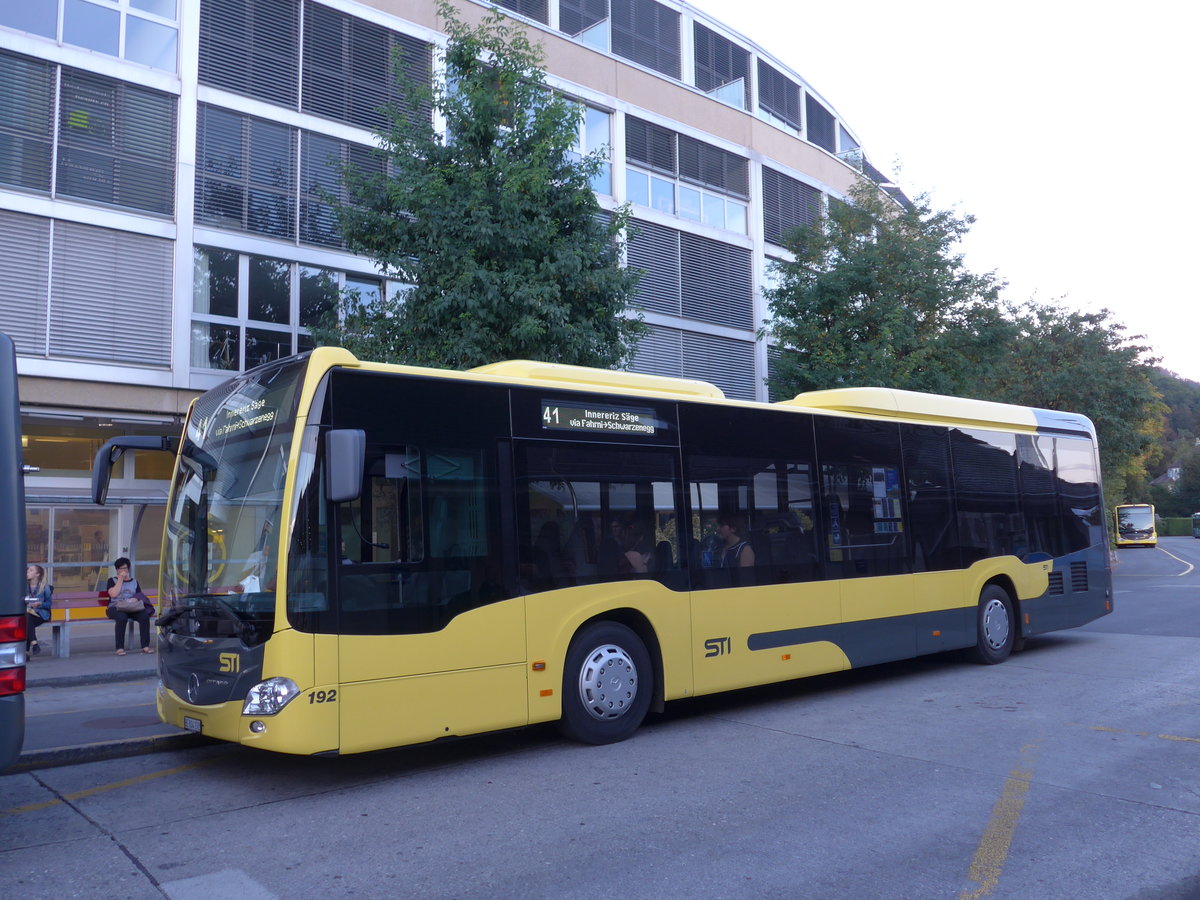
point(120, 653)
point(147, 650)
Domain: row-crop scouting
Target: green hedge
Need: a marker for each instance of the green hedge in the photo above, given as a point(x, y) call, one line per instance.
point(1175, 527)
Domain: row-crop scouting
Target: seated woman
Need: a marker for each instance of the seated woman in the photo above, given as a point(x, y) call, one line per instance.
point(37, 605)
point(127, 602)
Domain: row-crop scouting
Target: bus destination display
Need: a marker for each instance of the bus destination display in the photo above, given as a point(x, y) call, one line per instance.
point(600, 419)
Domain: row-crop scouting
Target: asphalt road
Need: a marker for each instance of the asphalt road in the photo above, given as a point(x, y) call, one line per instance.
point(1070, 771)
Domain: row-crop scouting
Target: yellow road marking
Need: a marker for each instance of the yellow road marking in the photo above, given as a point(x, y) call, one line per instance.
point(992, 852)
point(1161, 737)
point(103, 788)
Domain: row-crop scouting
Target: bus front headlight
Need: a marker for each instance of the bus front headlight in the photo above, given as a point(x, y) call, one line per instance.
point(269, 697)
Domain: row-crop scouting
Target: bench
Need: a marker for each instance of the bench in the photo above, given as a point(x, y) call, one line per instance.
point(76, 606)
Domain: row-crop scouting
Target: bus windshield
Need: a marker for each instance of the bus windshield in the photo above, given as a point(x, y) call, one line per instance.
point(1132, 519)
point(226, 500)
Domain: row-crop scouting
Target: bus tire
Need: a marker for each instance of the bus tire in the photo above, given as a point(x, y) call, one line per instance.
point(996, 627)
point(608, 682)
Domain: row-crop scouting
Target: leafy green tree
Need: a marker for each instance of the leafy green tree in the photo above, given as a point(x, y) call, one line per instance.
point(1187, 488)
point(1085, 363)
point(876, 295)
point(494, 223)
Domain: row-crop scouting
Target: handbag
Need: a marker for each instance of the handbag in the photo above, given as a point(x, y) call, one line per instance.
point(128, 604)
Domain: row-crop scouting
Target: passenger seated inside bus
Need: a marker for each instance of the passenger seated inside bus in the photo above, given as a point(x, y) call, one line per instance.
point(735, 550)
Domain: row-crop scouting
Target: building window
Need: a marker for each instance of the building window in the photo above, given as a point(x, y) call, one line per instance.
point(722, 68)
point(787, 204)
point(26, 121)
point(116, 143)
point(585, 20)
point(647, 33)
point(349, 70)
point(595, 135)
point(141, 31)
point(246, 173)
point(124, 320)
point(778, 96)
point(699, 175)
point(726, 362)
point(530, 9)
point(321, 162)
point(249, 47)
point(248, 310)
point(116, 140)
point(821, 124)
point(692, 276)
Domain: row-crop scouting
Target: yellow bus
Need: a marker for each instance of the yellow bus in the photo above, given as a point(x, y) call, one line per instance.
point(412, 554)
point(1135, 525)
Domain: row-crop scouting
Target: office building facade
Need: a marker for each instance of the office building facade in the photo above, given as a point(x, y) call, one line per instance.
point(163, 220)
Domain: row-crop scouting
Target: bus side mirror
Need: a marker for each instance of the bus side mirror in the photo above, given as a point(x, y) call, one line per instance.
point(345, 454)
point(115, 448)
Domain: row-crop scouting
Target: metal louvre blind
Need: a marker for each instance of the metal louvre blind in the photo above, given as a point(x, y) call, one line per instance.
point(116, 143)
point(717, 282)
point(250, 47)
point(650, 145)
point(727, 363)
point(820, 124)
point(659, 353)
point(778, 94)
point(647, 33)
point(126, 319)
point(712, 167)
point(320, 174)
point(655, 250)
point(349, 70)
point(26, 121)
point(720, 61)
point(575, 16)
point(25, 261)
point(246, 170)
point(532, 9)
point(787, 204)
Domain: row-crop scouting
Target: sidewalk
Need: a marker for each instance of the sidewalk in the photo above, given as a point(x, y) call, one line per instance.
point(92, 705)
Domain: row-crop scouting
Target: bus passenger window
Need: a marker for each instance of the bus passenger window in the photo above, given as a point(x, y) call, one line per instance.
point(752, 519)
point(863, 498)
point(590, 513)
point(990, 520)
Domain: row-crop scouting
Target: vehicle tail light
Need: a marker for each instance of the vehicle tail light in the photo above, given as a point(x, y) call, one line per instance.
point(12, 681)
point(12, 629)
point(12, 655)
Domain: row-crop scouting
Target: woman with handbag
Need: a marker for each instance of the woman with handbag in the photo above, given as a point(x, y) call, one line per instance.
point(37, 605)
point(126, 601)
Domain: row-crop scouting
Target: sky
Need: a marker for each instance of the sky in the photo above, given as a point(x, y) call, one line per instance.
point(1069, 130)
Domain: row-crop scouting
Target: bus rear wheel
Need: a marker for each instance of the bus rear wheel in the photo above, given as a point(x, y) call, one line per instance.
point(607, 684)
point(996, 626)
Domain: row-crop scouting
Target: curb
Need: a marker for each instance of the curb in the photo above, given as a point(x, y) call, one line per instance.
point(92, 678)
point(71, 756)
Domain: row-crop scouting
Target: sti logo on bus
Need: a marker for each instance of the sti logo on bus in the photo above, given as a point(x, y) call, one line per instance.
point(230, 662)
point(717, 647)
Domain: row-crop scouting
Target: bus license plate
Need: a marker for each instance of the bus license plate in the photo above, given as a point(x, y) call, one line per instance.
point(193, 724)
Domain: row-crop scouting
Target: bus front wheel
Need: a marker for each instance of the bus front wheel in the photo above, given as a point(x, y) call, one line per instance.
point(607, 684)
point(996, 626)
